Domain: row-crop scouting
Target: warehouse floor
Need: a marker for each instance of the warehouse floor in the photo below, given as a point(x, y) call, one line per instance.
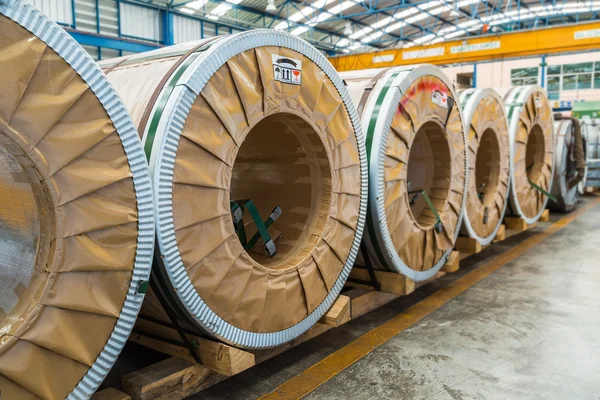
point(529, 330)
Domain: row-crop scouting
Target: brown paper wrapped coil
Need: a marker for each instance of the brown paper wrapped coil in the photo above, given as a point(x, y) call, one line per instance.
point(75, 242)
point(487, 197)
point(416, 139)
point(531, 140)
point(219, 127)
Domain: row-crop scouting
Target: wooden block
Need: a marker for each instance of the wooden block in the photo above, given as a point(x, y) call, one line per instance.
point(467, 245)
point(545, 217)
point(514, 223)
point(391, 282)
point(364, 300)
point(501, 235)
point(110, 394)
point(590, 189)
point(171, 379)
point(452, 263)
point(339, 313)
point(216, 356)
point(316, 330)
point(409, 285)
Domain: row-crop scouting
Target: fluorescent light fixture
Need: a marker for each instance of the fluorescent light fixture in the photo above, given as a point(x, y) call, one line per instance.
point(234, 1)
point(221, 9)
point(271, 6)
point(363, 31)
point(356, 46)
point(299, 30)
point(213, 17)
point(188, 11)
point(346, 50)
point(343, 43)
point(196, 5)
point(382, 22)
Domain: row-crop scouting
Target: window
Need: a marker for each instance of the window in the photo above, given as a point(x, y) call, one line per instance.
point(524, 76)
point(578, 76)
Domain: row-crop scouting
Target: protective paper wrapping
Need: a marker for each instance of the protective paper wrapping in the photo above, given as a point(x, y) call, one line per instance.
point(70, 203)
point(531, 133)
point(248, 136)
point(487, 193)
point(425, 145)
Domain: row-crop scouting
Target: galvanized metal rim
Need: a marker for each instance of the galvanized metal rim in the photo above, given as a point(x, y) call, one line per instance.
point(473, 98)
point(162, 163)
point(66, 47)
point(396, 89)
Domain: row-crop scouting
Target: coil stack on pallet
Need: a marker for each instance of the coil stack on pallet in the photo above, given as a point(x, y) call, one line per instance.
point(257, 121)
point(76, 217)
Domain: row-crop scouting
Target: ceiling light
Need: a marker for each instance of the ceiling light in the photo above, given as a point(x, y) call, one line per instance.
point(221, 9)
point(213, 17)
point(188, 11)
point(271, 6)
point(348, 29)
point(196, 5)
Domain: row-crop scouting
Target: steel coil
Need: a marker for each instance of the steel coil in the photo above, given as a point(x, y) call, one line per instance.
point(76, 214)
point(259, 115)
point(418, 173)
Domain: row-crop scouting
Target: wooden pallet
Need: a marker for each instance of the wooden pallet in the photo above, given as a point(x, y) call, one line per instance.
point(180, 376)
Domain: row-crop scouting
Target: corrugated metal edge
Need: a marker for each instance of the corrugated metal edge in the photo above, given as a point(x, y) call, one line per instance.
point(388, 110)
point(189, 86)
point(63, 44)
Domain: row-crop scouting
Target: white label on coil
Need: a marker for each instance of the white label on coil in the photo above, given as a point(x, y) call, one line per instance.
point(439, 98)
point(287, 70)
point(538, 102)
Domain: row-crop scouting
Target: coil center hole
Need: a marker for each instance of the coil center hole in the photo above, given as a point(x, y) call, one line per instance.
point(282, 162)
point(429, 169)
point(535, 153)
point(487, 167)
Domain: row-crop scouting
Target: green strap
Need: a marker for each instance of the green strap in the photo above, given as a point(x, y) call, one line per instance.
point(541, 190)
point(237, 210)
point(238, 221)
point(438, 220)
point(274, 215)
point(262, 229)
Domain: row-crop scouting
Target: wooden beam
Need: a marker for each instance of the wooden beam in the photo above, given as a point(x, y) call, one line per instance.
point(339, 313)
point(172, 379)
point(517, 224)
point(391, 282)
point(467, 245)
point(216, 356)
point(453, 262)
point(365, 300)
point(545, 217)
point(110, 394)
point(501, 235)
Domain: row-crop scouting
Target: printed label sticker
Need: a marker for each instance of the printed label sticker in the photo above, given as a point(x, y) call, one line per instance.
point(439, 98)
point(287, 70)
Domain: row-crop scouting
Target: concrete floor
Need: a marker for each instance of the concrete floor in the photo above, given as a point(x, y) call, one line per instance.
point(531, 330)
